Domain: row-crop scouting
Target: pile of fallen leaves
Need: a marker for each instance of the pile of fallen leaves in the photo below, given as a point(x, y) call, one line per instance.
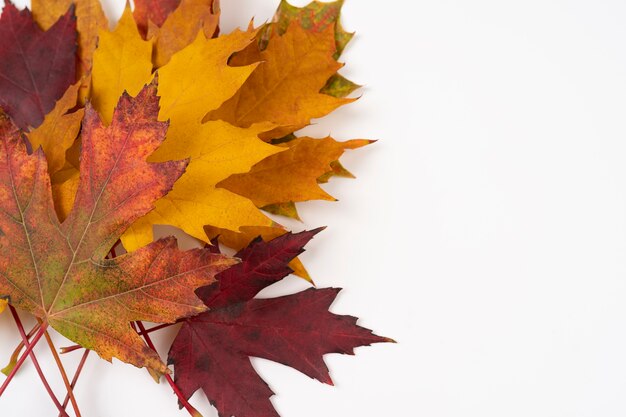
point(164, 120)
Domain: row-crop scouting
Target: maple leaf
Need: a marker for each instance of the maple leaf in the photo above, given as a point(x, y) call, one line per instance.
point(295, 330)
point(247, 234)
point(212, 350)
point(285, 88)
point(262, 264)
point(195, 81)
point(291, 176)
point(122, 62)
point(32, 78)
point(90, 19)
point(58, 271)
point(182, 26)
point(317, 17)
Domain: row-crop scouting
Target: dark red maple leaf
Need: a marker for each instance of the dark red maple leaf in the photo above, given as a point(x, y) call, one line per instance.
point(36, 66)
point(212, 351)
point(262, 264)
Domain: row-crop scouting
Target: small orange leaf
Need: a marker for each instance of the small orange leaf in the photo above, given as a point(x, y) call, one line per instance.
point(285, 88)
point(292, 175)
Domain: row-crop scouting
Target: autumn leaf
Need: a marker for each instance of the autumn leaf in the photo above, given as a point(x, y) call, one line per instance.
point(246, 234)
point(31, 77)
point(90, 19)
point(182, 26)
point(195, 81)
point(314, 17)
point(59, 130)
point(59, 272)
point(291, 176)
point(212, 351)
point(262, 264)
point(285, 88)
point(317, 17)
point(3, 305)
point(122, 62)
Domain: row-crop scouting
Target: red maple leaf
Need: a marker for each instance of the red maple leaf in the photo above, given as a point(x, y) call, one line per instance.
point(36, 66)
point(212, 351)
point(263, 264)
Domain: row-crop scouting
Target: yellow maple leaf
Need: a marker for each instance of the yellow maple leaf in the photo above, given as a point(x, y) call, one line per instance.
point(285, 88)
point(182, 27)
point(195, 81)
point(291, 176)
point(122, 62)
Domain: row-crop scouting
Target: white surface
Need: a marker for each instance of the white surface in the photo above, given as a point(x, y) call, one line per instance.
point(486, 231)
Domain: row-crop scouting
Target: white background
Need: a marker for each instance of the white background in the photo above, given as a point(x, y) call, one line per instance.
point(486, 231)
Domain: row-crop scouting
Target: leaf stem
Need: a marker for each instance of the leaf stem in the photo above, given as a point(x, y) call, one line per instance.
point(79, 369)
point(181, 397)
point(69, 349)
point(16, 353)
point(66, 380)
point(29, 352)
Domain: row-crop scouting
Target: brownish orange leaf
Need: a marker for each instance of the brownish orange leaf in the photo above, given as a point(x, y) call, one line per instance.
point(285, 88)
point(317, 16)
point(292, 175)
point(182, 27)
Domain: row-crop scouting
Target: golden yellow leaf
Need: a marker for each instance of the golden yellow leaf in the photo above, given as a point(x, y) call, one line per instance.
point(59, 130)
point(194, 201)
point(90, 19)
point(291, 176)
point(195, 81)
point(64, 187)
point(198, 79)
point(285, 88)
point(182, 27)
point(3, 304)
point(122, 62)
